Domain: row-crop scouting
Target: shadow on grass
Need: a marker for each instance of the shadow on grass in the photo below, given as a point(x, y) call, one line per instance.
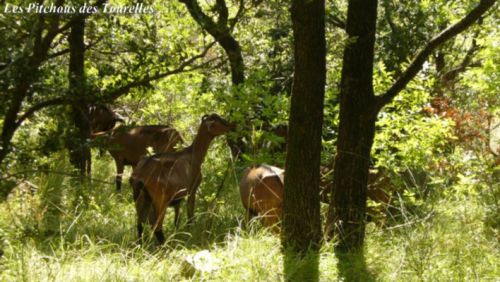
point(352, 266)
point(301, 267)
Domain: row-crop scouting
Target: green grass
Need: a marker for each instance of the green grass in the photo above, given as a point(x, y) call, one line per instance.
point(67, 232)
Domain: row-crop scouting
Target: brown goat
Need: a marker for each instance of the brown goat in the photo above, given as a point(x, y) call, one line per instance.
point(262, 186)
point(102, 118)
point(261, 191)
point(377, 180)
point(165, 179)
point(127, 145)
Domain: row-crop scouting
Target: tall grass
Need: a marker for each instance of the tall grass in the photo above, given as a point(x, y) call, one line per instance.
point(56, 229)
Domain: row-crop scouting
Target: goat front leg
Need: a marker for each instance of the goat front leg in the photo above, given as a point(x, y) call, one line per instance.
point(190, 207)
point(191, 199)
point(119, 172)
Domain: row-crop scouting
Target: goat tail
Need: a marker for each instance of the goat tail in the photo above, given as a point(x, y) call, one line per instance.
point(145, 209)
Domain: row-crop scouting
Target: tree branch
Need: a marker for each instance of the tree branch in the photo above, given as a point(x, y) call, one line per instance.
point(467, 62)
point(57, 54)
point(220, 6)
point(223, 36)
point(117, 93)
point(335, 21)
point(239, 13)
point(38, 107)
point(203, 20)
point(417, 63)
point(65, 51)
point(334, 17)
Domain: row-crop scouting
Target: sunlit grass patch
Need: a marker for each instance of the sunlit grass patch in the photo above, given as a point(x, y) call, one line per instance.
point(64, 231)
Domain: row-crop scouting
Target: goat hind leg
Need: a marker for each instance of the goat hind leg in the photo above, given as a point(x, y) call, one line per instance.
point(145, 210)
point(159, 236)
point(142, 213)
point(140, 230)
point(158, 214)
point(250, 214)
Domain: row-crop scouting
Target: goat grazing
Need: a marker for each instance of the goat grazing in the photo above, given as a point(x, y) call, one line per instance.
point(165, 179)
point(262, 186)
point(261, 191)
point(102, 118)
point(377, 181)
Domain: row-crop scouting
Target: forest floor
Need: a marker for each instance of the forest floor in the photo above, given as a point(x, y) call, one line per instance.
point(52, 229)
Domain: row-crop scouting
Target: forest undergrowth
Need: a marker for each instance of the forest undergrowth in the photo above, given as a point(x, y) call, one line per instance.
point(54, 229)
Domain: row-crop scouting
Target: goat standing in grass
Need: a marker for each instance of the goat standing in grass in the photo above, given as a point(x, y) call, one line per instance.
point(127, 145)
point(165, 179)
point(262, 186)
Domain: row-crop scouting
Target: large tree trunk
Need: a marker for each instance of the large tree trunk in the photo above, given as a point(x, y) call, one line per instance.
point(358, 110)
point(301, 220)
point(77, 142)
point(346, 217)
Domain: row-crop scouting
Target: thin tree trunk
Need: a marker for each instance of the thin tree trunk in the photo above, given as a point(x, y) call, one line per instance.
point(77, 142)
point(233, 52)
point(356, 129)
point(220, 30)
point(27, 74)
point(10, 119)
point(301, 221)
point(46, 30)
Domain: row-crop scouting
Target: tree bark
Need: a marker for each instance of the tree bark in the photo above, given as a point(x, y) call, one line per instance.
point(27, 69)
point(77, 138)
point(358, 111)
point(46, 30)
point(301, 220)
point(9, 121)
point(221, 32)
point(356, 128)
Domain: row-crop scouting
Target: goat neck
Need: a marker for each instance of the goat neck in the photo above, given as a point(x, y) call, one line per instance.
point(200, 145)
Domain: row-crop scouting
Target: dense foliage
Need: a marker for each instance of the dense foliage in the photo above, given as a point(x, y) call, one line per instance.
point(435, 143)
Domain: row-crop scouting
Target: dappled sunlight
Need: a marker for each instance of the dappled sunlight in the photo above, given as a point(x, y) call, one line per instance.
point(100, 242)
point(249, 140)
